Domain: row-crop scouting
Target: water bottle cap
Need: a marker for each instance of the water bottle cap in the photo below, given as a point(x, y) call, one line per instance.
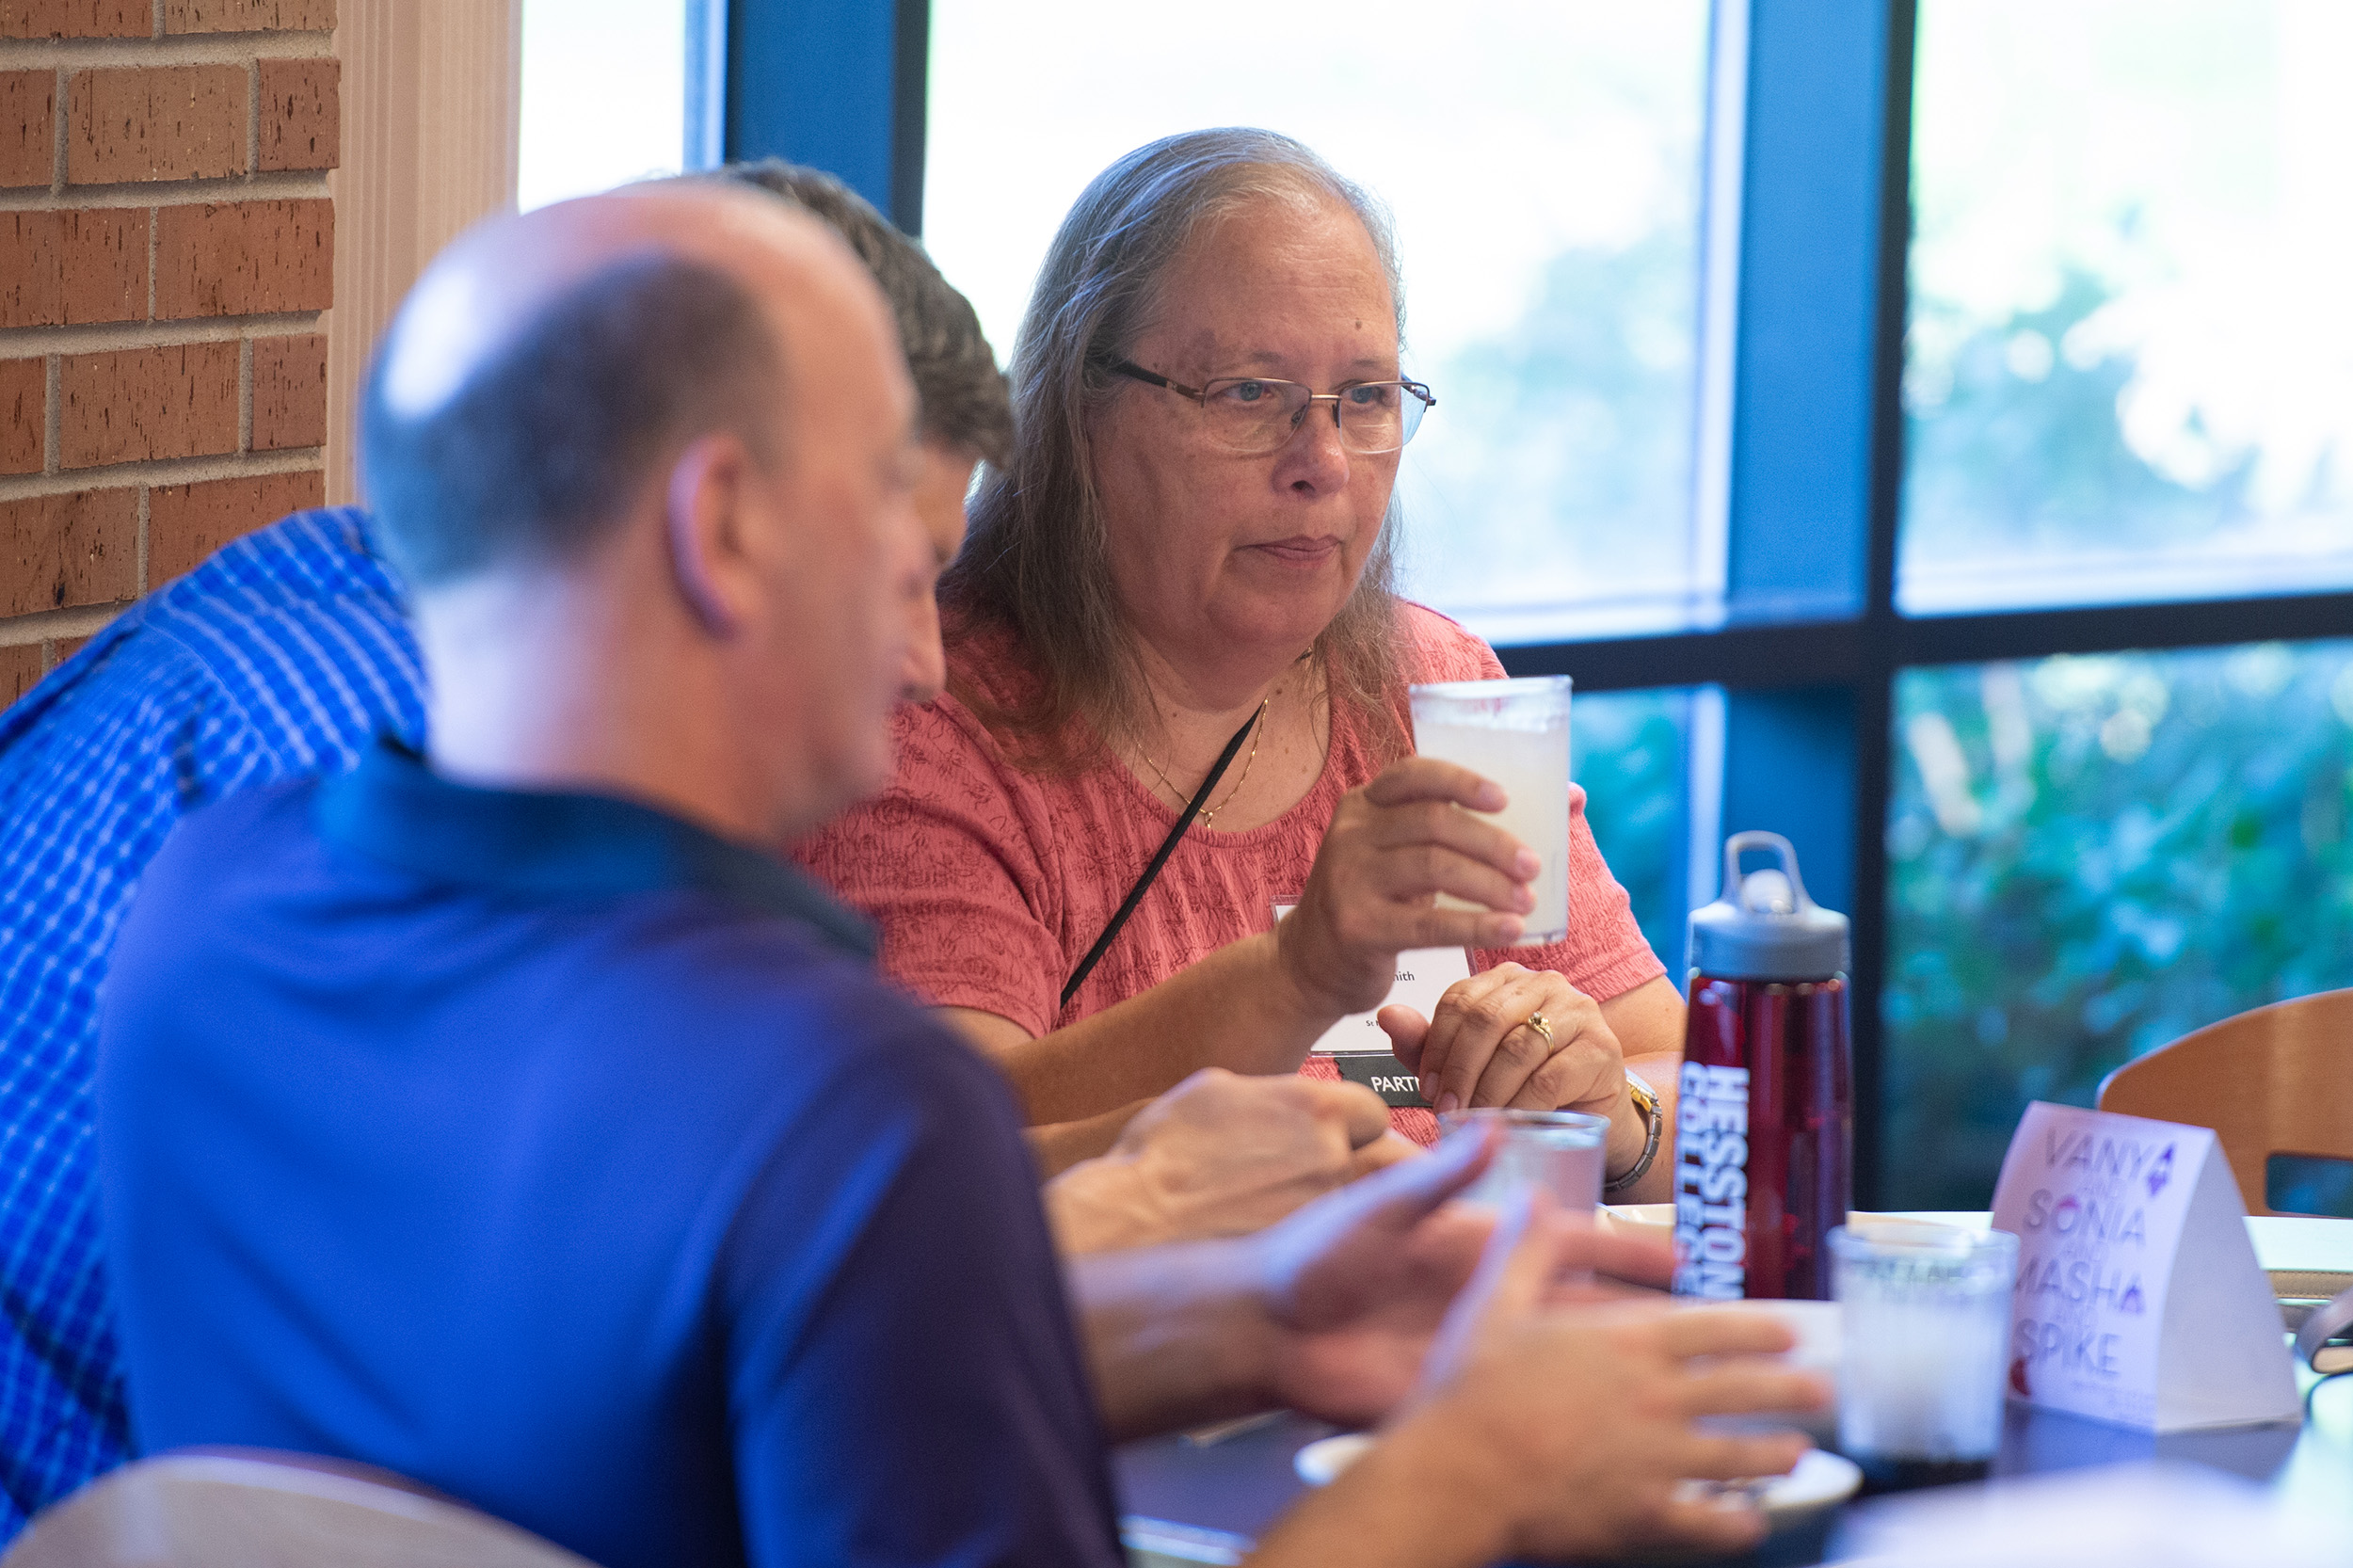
point(1765, 927)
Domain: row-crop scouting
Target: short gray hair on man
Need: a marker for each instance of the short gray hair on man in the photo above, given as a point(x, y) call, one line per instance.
point(1036, 564)
point(960, 392)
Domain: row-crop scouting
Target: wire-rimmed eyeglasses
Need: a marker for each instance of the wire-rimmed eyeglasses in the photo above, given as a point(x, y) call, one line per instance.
point(1254, 415)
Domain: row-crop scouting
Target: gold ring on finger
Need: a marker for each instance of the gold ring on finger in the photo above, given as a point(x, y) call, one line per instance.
point(1542, 1026)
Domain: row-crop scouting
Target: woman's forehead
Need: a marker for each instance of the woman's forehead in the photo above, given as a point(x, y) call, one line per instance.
point(1272, 271)
point(1308, 237)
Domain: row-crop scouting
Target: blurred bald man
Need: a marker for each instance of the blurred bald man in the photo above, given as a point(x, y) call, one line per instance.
point(509, 1121)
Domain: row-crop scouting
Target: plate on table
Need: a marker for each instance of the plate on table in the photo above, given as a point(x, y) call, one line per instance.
point(1648, 1222)
point(1319, 1462)
point(1656, 1222)
point(1819, 1481)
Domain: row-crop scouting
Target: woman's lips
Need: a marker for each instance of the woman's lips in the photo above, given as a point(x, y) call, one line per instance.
point(1301, 550)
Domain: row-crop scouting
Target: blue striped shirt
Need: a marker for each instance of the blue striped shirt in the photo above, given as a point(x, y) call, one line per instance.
point(281, 657)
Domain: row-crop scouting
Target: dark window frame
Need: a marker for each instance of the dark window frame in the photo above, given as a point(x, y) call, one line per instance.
point(1812, 642)
point(837, 84)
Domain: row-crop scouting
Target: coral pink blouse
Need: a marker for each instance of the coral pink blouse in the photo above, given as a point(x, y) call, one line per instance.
point(989, 883)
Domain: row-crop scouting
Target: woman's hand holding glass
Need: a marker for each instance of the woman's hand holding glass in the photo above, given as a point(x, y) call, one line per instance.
point(1393, 847)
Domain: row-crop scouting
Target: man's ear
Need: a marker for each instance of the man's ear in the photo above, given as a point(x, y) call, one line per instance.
point(706, 500)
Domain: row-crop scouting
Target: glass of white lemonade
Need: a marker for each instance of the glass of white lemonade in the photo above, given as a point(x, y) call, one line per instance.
point(1515, 732)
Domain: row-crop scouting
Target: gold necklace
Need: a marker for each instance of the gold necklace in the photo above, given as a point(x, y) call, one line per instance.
point(1208, 813)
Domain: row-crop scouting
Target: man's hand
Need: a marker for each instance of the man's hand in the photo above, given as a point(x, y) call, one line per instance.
point(1358, 1283)
point(1570, 1428)
point(1221, 1155)
point(1331, 1311)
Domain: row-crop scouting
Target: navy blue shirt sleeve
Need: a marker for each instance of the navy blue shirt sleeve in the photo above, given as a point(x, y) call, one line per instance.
point(906, 1391)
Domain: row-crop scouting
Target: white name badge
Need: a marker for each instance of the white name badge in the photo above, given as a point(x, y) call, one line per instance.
point(2139, 1301)
point(1422, 977)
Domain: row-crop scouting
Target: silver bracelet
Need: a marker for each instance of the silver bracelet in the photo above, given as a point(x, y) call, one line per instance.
point(1645, 1100)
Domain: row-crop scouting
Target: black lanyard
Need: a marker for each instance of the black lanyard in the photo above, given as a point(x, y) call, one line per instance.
point(1168, 847)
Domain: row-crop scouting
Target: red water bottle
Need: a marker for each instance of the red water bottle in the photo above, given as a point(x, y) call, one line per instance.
point(1765, 1121)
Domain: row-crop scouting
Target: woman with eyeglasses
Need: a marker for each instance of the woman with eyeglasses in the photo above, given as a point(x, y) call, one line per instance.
point(1177, 700)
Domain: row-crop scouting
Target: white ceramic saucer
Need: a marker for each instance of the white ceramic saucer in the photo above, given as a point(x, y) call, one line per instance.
point(1819, 1481)
point(1321, 1462)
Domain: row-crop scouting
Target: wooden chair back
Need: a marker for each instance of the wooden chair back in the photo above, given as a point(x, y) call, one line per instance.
point(2277, 1080)
point(253, 1508)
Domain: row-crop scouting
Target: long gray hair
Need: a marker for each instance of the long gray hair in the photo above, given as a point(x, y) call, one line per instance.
point(1036, 565)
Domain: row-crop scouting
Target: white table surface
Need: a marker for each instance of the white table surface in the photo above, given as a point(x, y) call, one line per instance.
point(2282, 1240)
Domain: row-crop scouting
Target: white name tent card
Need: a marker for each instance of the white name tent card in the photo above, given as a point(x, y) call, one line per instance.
point(1422, 977)
point(2139, 1301)
point(1358, 1042)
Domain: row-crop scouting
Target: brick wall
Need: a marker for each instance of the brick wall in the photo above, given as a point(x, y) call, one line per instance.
point(166, 258)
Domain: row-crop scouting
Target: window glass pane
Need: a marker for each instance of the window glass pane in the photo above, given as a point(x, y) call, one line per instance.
point(1543, 161)
point(2130, 365)
point(1627, 748)
point(603, 95)
point(2309, 1184)
point(2087, 858)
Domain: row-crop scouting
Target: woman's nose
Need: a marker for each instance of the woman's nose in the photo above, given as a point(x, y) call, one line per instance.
point(1314, 462)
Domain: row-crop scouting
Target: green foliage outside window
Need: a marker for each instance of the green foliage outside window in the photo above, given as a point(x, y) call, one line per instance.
point(2088, 858)
point(1573, 435)
point(1626, 749)
point(2015, 445)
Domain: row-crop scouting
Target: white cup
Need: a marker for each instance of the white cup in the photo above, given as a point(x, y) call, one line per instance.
point(1819, 1350)
point(1564, 1152)
point(1927, 1319)
point(1516, 733)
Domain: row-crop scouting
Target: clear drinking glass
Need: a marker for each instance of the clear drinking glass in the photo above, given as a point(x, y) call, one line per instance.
point(1561, 1151)
point(1515, 732)
point(1926, 1312)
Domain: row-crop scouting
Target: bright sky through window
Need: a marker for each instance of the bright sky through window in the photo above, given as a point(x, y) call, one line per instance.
point(603, 95)
point(1541, 158)
point(2130, 363)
